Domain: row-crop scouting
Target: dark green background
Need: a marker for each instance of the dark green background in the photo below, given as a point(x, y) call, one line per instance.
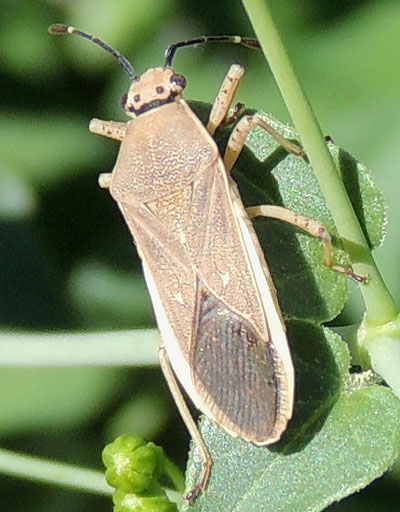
point(67, 262)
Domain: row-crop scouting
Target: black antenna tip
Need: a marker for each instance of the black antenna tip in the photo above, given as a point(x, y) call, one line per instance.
point(58, 29)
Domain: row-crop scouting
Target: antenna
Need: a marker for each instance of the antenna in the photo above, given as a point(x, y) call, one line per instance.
point(61, 29)
point(245, 41)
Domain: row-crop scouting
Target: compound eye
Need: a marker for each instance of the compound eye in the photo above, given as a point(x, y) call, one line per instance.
point(179, 81)
point(123, 101)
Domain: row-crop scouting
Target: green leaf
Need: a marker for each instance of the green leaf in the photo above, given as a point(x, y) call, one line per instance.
point(344, 434)
point(366, 198)
point(295, 258)
point(279, 178)
point(345, 430)
point(267, 174)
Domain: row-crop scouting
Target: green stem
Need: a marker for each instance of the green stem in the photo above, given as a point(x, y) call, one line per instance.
point(44, 350)
point(36, 469)
point(42, 470)
point(175, 475)
point(380, 306)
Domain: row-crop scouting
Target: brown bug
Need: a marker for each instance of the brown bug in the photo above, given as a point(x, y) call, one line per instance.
point(222, 332)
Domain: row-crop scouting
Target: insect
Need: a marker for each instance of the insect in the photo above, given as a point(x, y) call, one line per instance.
point(222, 333)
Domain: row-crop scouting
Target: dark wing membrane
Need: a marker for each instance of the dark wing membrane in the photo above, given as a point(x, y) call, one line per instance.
point(234, 372)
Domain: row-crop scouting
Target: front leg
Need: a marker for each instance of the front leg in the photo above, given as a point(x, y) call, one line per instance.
point(219, 114)
point(110, 129)
point(105, 179)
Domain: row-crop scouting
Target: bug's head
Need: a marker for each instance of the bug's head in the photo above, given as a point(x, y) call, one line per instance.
point(156, 87)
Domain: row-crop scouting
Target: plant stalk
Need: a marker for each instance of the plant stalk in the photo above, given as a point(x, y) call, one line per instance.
point(51, 472)
point(380, 306)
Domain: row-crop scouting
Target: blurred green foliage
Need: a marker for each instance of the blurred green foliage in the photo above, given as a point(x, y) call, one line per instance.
point(66, 257)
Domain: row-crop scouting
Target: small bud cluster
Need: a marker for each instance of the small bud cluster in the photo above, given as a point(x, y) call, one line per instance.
point(133, 468)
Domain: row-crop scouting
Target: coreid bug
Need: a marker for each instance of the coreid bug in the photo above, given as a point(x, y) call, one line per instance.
point(222, 332)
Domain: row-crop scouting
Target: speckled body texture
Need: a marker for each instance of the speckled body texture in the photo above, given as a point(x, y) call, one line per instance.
point(185, 215)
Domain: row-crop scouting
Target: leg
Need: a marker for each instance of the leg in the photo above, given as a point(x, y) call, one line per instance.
point(110, 129)
point(240, 132)
point(312, 227)
point(222, 104)
point(233, 116)
point(105, 179)
point(190, 424)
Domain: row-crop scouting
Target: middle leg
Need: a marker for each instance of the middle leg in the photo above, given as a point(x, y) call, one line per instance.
point(240, 132)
